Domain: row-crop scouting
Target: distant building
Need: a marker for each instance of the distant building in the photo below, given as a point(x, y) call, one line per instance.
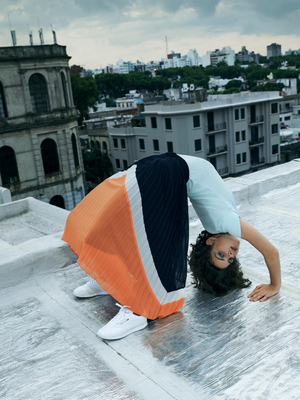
point(39, 148)
point(173, 55)
point(234, 132)
point(273, 50)
point(289, 52)
point(194, 58)
point(245, 56)
point(226, 55)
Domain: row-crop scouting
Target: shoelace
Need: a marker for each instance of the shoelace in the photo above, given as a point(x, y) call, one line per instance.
point(91, 282)
point(121, 317)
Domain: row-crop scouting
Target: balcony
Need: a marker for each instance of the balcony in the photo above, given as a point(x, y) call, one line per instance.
point(211, 128)
point(218, 150)
point(257, 141)
point(256, 120)
point(258, 162)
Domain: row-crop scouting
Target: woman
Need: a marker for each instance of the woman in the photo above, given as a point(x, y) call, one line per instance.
point(131, 237)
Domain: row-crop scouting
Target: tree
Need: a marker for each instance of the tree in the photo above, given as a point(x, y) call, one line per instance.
point(97, 165)
point(85, 94)
point(234, 83)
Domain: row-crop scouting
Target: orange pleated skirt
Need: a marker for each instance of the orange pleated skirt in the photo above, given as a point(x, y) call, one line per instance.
point(131, 235)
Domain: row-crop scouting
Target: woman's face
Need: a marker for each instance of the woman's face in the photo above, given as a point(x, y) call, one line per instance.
point(224, 249)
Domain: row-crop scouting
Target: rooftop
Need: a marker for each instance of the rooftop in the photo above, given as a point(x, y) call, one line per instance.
point(214, 102)
point(214, 348)
point(14, 53)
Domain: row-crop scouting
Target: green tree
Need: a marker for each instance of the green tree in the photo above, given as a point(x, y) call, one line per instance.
point(85, 94)
point(234, 83)
point(97, 165)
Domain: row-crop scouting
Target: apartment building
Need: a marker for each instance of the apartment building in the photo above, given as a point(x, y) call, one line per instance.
point(273, 50)
point(234, 132)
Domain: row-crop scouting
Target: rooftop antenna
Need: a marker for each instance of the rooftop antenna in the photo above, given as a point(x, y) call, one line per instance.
point(30, 36)
point(167, 46)
point(41, 36)
point(13, 33)
point(54, 35)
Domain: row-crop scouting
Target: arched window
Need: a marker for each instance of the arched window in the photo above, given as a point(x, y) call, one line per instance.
point(75, 152)
point(104, 146)
point(92, 144)
point(39, 94)
point(3, 109)
point(49, 156)
point(58, 201)
point(98, 145)
point(8, 166)
point(64, 86)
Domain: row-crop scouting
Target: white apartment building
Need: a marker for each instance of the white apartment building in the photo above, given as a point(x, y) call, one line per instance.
point(234, 132)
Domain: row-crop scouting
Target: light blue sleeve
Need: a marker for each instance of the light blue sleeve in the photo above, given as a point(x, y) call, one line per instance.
point(211, 198)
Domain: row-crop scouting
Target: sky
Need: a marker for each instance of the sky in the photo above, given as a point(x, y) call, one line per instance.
point(100, 32)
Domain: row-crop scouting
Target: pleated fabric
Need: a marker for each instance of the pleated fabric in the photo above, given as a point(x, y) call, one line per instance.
point(131, 235)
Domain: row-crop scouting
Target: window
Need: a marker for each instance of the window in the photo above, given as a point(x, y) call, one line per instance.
point(274, 108)
point(237, 136)
point(64, 86)
point(242, 113)
point(142, 144)
point(49, 156)
point(123, 144)
point(275, 128)
point(170, 147)
point(198, 146)
point(238, 158)
point(92, 144)
point(236, 114)
point(244, 157)
point(116, 143)
point(75, 151)
point(155, 145)
point(104, 146)
point(168, 123)
point(196, 121)
point(98, 145)
point(39, 94)
point(275, 149)
point(125, 164)
point(3, 109)
point(8, 166)
point(118, 165)
point(153, 122)
point(287, 118)
point(243, 135)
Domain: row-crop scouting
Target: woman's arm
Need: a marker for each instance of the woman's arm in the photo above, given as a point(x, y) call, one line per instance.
point(271, 256)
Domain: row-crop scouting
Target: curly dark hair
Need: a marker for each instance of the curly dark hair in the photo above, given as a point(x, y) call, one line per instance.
point(209, 277)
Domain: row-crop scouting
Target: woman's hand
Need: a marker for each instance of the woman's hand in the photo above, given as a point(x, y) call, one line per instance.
point(262, 292)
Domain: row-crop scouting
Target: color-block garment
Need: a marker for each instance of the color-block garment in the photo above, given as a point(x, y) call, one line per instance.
point(131, 235)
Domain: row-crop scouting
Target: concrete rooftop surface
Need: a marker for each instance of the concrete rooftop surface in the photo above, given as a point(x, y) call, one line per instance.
point(223, 348)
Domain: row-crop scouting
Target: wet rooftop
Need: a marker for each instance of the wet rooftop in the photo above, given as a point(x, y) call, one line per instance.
point(215, 348)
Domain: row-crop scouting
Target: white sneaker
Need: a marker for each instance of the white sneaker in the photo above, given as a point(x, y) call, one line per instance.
point(90, 289)
point(124, 323)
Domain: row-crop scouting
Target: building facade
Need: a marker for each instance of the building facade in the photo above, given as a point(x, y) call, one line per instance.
point(39, 148)
point(234, 132)
point(273, 50)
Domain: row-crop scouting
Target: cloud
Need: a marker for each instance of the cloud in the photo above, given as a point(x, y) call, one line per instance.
point(107, 30)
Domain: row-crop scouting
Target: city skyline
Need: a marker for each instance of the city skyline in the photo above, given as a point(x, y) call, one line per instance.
point(98, 33)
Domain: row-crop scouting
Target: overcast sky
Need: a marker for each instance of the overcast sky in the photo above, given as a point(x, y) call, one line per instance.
point(98, 32)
